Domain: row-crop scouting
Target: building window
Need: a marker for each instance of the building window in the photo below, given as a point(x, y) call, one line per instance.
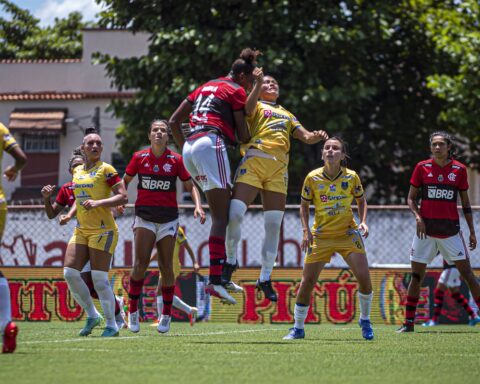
point(41, 143)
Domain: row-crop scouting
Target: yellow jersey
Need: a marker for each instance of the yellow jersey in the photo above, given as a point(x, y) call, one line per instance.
point(95, 183)
point(332, 200)
point(270, 128)
point(8, 142)
point(181, 238)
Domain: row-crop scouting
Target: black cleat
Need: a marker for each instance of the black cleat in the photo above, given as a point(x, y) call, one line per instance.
point(227, 272)
point(266, 287)
point(406, 328)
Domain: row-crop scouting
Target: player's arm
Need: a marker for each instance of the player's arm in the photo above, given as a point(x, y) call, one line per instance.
point(308, 137)
point(52, 210)
point(11, 172)
point(196, 266)
point(252, 98)
point(304, 218)
point(64, 219)
point(467, 212)
point(241, 125)
point(127, 179)
point(198, 212)
point(362, 214)
point(175, 122)
point(412, 204)
point(119, 198)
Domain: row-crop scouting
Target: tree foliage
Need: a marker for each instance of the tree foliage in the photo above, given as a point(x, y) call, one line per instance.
point(382, 74)
point(21, 37)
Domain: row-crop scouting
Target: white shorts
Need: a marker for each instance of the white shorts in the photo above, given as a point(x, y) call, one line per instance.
point(207, 162)
point(160, 230)
point(450, 278)
point(452, 248)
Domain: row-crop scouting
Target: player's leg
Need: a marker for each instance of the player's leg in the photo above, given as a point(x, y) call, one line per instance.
point(438, 298)
point(165, 248)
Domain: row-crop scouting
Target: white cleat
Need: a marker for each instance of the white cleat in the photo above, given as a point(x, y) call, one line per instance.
point(134, 322)
point(220, 292)
point(121, 317)
point(164, 324)
point(232, 287)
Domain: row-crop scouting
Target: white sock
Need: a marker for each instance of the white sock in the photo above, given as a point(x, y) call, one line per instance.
point(159, 305)
point(80, 291)
point(5, 308)
point(234, 229)
point(365, 305)
point(272, 223)
point(300, 314)
point(106, 296)
point(180, 304)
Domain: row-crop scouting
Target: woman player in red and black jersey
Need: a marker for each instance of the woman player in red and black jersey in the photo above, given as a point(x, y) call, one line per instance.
point(216, 111)
point(156, 217)
point(439, 181)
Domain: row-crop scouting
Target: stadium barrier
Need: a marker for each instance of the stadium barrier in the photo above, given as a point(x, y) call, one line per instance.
point(41, 294)
point(30, 239)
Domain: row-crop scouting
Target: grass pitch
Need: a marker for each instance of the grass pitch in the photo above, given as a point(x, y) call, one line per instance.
point(231, 353)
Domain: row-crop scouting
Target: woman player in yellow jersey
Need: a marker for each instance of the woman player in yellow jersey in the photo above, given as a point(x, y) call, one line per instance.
point(96, 234)
point(264, 169)
point(332, 189)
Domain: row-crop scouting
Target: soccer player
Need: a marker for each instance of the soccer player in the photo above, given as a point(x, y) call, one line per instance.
point(264, 169)
point(450, 280)
point(8, 329)
point(66, 198)
point(96, 234)
point(180, 241)
point(217, 112)
point(156, 217)
point(440, 180)
point(332, 189)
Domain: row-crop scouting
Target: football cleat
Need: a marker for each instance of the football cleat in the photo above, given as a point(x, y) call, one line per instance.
point(90, 323)
point(164, 324)
point(295, 333)
point(110, 332)
point(474, 321)
point(10, 338)
point(232, 287)
point(266, 287)
point(192, 316)
point(430, 323)
point(367, 330)
point(220, 292)
point(227, 272)
point(121, 317)
point(134, 322)
point(406, 328)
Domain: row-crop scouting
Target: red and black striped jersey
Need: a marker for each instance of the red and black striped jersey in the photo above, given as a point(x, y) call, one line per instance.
point(157, 176)
point(213, 105)
point(440, 186)
point(66, 196)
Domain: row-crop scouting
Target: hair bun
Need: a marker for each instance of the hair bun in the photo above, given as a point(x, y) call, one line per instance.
point(250, 55)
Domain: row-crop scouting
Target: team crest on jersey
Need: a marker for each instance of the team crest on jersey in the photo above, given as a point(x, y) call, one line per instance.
point(333, 188)
point(267, 113)
point(451, 176)
point(166, 167)
point(344, 185)
point(440, 178)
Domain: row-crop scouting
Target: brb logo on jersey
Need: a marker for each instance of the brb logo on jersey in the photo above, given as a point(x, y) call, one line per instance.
point(440, 193)
point(153, 184)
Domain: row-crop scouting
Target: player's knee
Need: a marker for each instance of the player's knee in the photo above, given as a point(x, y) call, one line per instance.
point(273, 220)
point(100, 280)
point(236, 212)
point(308, 282)
point(71, 274)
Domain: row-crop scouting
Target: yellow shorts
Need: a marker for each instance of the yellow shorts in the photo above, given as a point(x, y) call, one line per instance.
point(267, 174)
point(323, 249)
point(3, 218)
point(103, 239)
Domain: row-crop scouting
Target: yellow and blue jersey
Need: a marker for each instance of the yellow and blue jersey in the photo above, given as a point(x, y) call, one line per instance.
point(8, 142)
point(332, 200)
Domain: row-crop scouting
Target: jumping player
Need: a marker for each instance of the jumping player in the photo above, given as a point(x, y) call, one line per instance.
point(439, 180)
point(217, 112)
point(264, 169)
point(331, 189)
point(8, 329)
point(156, 218)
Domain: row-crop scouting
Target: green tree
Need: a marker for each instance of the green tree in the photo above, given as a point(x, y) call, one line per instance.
point(362, 70)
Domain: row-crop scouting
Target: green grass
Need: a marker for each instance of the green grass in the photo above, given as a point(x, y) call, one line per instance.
point(231, 353)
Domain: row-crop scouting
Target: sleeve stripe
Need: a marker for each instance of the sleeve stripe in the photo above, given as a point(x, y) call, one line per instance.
point(303, 198)
point(11, 146)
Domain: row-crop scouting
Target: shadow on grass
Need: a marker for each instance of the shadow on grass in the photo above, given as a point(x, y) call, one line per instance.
point(303, 341)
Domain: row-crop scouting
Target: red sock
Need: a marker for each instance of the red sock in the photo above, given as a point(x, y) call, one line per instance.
point(437, 303)
point(167, 294)
point(87, 278)
point(460, 299)
point(134, 292)
point(410, 309)
point(216, 247)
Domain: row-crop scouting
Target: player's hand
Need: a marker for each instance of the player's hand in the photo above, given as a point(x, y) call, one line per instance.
point(322, 134)
point(196, 268)
point(307, 240)
point(90, 204)
point(11, 173)
point(64, 219)
point(363, 228)
point(120, 210)
point(472, 241)
point(318, 136)
point(47, 191)
point(421, 231)
point(199, 212)
point(258, 74)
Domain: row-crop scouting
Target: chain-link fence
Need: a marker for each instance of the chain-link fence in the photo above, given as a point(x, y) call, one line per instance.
point(30, 239)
